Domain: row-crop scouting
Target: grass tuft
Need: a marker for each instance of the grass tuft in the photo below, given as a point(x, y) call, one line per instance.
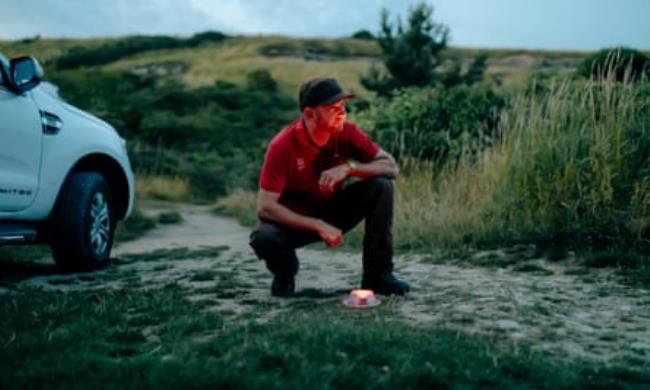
point(239, 204)
point(163, 188)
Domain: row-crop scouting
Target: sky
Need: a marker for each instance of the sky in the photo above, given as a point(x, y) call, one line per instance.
point(531, 24)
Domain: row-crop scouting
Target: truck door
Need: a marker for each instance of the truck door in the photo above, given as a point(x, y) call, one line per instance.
point(20, 149)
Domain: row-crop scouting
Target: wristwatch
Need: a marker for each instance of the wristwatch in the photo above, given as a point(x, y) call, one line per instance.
point(352, 165)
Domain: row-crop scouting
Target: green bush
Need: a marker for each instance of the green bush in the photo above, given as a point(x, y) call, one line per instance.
point(80, 56)
point(363, 34)
point(261, 79)
point(210, 173)
point(77, 57)
point(621, 62)
point(207, 36)
point(434, 123)
point(571, 169)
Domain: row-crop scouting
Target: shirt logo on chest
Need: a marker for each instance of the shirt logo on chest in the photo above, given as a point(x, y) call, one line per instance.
point(300, 164)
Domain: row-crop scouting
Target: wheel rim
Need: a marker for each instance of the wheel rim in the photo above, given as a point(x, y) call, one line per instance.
point(100, 224)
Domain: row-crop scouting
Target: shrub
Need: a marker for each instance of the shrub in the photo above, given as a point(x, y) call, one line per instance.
point(80, 56)
point(261, 79)
point(621, 62)
point(573, 166)
point(207, 36)
point(434, 123)
point(363, 34)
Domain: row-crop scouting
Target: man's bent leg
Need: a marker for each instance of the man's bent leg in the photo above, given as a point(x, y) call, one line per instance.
point(276, 245)
point(373, 200)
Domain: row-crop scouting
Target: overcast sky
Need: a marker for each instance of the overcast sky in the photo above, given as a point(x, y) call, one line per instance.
point(547, 24)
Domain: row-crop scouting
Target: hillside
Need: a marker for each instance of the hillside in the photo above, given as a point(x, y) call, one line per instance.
point(289, 60)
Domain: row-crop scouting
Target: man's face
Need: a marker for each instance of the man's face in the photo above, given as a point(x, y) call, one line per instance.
point(331, 117)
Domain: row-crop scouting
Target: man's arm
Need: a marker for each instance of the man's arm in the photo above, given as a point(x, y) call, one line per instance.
point(269, 208)
point(382, 165)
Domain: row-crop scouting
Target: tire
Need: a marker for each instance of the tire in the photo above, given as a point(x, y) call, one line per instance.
point(83, 223)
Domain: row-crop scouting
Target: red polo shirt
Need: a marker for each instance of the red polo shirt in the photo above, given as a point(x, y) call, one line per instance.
point(293, 163)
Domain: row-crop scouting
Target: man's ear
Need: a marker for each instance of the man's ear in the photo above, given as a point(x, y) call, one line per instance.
point(309, 112)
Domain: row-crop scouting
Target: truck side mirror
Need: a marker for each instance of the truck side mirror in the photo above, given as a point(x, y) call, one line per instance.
point(25, 73)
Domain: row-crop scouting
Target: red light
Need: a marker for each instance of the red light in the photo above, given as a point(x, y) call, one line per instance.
point(362, 296)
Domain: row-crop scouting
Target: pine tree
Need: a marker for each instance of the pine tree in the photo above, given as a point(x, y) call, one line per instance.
point(410, 55)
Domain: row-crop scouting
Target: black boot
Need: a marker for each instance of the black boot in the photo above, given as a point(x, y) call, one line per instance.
point(283, 286)
point(384, 284)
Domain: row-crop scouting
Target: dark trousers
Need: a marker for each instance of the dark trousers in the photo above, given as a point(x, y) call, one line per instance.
point(370, 199)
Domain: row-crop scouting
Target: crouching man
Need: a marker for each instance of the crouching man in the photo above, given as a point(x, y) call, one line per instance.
point(302, 198)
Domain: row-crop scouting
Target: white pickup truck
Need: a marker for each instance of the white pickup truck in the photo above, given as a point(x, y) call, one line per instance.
point(65, 176)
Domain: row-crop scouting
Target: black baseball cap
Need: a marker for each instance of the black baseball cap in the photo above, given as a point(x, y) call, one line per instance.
point(321, 91)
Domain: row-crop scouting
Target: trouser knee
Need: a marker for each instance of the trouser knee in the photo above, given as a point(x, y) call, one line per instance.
point(271, 245)
point(381, 185)
point(267, 240)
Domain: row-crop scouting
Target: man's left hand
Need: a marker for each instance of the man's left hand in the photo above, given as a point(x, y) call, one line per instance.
point(330, 178)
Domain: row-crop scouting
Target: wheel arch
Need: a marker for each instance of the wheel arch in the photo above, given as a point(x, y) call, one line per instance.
point(114, 175)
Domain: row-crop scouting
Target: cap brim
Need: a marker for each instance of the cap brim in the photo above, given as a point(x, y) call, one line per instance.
point(337, 97)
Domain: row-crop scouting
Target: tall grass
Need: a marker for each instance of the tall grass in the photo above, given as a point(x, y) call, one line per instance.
point(572, 166)
point(239, 204)
point(162, 188)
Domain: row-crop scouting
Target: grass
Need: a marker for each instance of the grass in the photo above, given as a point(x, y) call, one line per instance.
point(23, 252)
point(572, 166)
point(175, 189)
point(233, 59)
point(159, 338)
point(239, 204)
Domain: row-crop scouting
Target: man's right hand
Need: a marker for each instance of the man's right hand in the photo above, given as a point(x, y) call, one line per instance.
point(332, 235)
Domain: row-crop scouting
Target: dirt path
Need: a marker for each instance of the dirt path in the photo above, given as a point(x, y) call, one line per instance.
point(555, 306)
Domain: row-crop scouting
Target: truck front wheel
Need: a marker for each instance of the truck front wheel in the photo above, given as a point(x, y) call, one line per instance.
point(83, 223)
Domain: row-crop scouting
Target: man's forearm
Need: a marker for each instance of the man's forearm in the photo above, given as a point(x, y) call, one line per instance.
point(285, 216)
point(378, 167)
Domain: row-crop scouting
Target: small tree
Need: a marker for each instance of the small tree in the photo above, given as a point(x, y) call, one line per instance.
point(410, 55)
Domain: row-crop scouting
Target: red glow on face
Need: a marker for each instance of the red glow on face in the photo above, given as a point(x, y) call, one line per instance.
point(332, 116)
